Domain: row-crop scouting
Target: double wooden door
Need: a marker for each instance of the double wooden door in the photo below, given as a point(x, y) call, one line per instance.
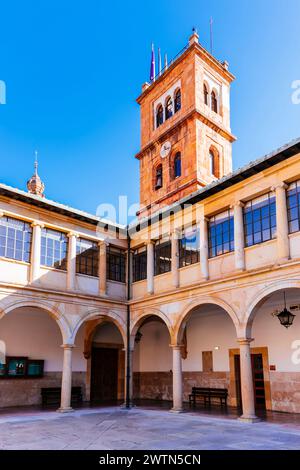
point(104, 375)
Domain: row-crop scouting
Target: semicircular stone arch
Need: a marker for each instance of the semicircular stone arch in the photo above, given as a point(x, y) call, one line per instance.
point(189, 309)
point(146, 313)
point(52, 310)
point(260, 297)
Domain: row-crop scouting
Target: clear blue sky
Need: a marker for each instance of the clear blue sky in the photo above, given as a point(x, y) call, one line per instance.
point(74, 68)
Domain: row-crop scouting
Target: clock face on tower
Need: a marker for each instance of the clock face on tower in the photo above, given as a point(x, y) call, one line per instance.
point(165, 149)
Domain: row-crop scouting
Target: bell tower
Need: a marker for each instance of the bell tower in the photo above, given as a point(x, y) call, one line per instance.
point(185, 128)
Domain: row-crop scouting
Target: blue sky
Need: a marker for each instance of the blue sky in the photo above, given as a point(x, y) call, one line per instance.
point(73, 70)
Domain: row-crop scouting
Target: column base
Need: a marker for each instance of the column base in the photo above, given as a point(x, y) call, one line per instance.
point(65, 410)
point(249, 419)
point(124, 407)
point(176, 410)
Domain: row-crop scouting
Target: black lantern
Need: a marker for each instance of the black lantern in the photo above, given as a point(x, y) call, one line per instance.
point(285, 317)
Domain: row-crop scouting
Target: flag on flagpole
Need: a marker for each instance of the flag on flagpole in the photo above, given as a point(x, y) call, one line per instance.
point(159, 61)
point(166, 61)
point(152, 67)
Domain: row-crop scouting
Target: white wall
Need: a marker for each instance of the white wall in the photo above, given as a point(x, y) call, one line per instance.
point(153, 353)
point(107, 333)
point(31, 332)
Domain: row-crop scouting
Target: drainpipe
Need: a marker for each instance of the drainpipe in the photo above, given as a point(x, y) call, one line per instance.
point(128, 371)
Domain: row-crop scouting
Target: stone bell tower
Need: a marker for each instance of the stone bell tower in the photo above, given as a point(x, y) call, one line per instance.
point(185, 128)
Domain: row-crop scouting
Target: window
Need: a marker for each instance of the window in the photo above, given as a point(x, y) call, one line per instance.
point(214, 163)
point(177, 101)
point(293, 206)
point(15, 239)
point(214, 102)
point(169, 108)
point(87, 257)
point(158, 177)
point(177, 165)
point(205, 93)
point(260, 219)
point(162, 256)
point(189, 247)
point(159, 116)
point(54, 248)
point(139, 262)
point(221, 234)
point(116, 260)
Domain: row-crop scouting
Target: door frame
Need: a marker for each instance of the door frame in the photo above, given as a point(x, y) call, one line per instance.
point(232, 385)
point(121, 368)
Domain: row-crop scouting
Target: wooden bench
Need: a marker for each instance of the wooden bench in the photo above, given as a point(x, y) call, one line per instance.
point(207, 394)
point(51, 395)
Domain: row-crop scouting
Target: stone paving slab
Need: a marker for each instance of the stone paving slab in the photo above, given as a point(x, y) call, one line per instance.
point(116, 428)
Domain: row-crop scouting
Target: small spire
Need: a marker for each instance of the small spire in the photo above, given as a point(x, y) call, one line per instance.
point(35, 184)
point(159, 61)
point(152, 66)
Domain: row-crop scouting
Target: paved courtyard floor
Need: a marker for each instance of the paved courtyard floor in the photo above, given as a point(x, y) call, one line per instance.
point(115, 428)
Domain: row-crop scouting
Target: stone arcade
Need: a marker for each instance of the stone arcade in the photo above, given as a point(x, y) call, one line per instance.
point(204, 288)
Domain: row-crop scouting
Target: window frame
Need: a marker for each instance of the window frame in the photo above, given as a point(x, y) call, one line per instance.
point(139, 264)
point(168, 108)
point(62, 242)
point(251, 219)
point(213, 236)
point(83, 258)
point(116, 271)
point(188, 255)
point(159, 117)
point(158, 172)
point(162, 248)
point(177, 158)
point(214, 101)
point(177, 101)
point(21, 241)
point(295, 207)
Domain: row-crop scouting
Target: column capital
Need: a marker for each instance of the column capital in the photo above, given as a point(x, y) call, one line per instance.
point(149, 242)
point(72, 234)
point(1, 213)
point(102, 243)
point(37, 223)
point(280, 185)
point(244, 341)
point(237, 204)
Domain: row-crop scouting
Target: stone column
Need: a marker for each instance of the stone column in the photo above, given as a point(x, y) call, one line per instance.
point(247, 387)
point(66, 383)
point(35, 251)
point(175, 259)
point(283, 243)
point(177, 379)
point(71, 266)
point(102, 268)
point(130, 377)
point(204, 247)
point(239, 236)
point(150, 267)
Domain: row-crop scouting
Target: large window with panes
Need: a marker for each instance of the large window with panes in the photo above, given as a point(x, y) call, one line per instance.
point(87, 256)
point(293, 206)
point(54, 249)
point(162, 256)
point(221, 234)
point(260, 219)
point(15, 239)
point(116, 264)
point(189, 246)
point(139, 264)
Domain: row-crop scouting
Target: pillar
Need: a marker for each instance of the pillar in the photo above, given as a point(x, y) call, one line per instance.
point(71, 266)
point(239, 236)
point(247, 387)
point(130, 372)
point(283, 244)
point(175, 259)
point(35, 251)
point(204, 247)
point(150, 267)
point(177, 379)
point(66, 382)
point(102, 268)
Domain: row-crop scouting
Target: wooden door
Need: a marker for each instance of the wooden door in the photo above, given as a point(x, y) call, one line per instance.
point(104, 374)
point(258, 380)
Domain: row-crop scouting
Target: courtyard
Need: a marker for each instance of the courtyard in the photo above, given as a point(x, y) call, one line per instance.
point(112, 428)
